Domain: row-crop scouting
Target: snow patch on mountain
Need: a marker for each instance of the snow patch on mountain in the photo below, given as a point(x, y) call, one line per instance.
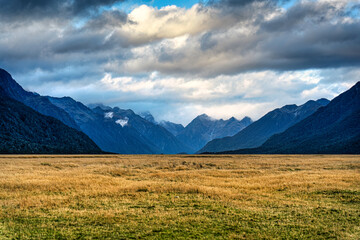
point(122, 122)
point(109, 115)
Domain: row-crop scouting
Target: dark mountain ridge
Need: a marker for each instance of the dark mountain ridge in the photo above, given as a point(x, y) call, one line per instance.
point(139, 136)
point(333, 129)
point(174, 128)
point(108, 135)
point(33, 100)
point(26, 131)
point(261, 130)
point(154, 134)
point(203, 129)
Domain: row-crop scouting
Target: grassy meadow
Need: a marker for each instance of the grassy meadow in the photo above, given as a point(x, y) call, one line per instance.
point(180, 197)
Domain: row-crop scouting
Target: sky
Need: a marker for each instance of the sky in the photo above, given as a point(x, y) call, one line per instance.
point(179, 59)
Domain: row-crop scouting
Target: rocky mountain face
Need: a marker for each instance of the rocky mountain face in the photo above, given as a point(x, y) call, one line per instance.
point(103, 129)
point(203, 129)
point(334, 129)
point(33, 100)
point(148, 116)
point(174, 128)
point(25, 131)
point(154, 134)
point(30, 123)
point(113, 130)
point(261, 130)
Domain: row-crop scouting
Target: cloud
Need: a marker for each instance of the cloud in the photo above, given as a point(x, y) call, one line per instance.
point(19, 10)
point(246, 86)
point(308, 35)
point(259, 35)
point(243, 94)
point(180, 99)
point(147, 24)
point(221, 55)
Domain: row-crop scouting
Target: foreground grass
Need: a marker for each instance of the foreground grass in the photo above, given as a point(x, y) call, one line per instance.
point(180, 197)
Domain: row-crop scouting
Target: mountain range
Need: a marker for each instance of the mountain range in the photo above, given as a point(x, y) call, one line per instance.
point(104, 131)
point(24, 131)
point(174, 128)
point(333, 129)
point(31, 123)
point(203, 129)
point(160, 139)
point(112, 129)
point(35, 101)
point(261, 130)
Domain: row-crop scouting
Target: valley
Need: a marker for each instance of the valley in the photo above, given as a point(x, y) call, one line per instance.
point(179, 196)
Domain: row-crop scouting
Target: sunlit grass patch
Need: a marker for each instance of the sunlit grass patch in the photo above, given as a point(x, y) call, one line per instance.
point(180, 197)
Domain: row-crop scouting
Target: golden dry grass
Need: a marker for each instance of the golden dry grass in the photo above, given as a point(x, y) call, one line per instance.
point(180, 196)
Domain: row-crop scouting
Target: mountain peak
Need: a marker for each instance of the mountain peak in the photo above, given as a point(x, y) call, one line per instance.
point(4, 72)
point(39, 103)
point(333, 129)
point(275, 121)
point(357, 86)
point(99, 105)
point(247, 120)
point(10, 86)
point(290, 107)
point(323, 101)
point(204, 117)
point(147, 116)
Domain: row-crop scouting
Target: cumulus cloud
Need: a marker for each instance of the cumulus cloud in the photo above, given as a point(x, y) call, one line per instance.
point(180, 99)
point(226, 54)
point(202, 40)
point(246, 86)
point(308, 35)
point(240, 95)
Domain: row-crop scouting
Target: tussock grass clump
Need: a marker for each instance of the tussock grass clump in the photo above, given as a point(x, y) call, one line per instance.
point(180, 197)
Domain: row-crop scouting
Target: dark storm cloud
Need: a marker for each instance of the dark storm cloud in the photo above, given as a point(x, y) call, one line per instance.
point(18, 10)
point(98, 34)
point(309, 35)
point(38, 42)
point(82, 42)
point(253, 37)
point(329, 46)
point(302, 16)
point(224, 52)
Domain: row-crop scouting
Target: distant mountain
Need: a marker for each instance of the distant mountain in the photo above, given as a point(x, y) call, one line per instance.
point(334, 129)
point(156, 135)
point(230, 127)
point(100, 105)
point(148, 116)
point(174, 128)
point(25, 131)
point(122, 132)
point(33, 100)
point(109, 135)
point(261, 130)
point(203, 129)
